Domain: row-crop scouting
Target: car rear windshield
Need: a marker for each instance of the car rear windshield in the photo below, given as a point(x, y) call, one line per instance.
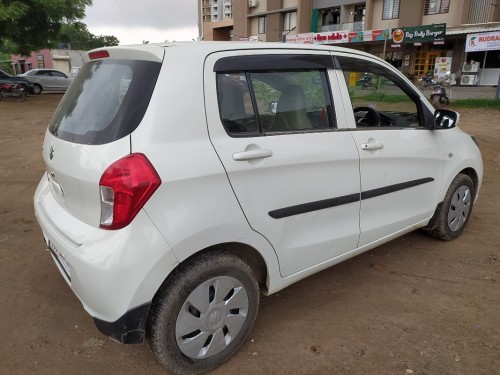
point(106, 101)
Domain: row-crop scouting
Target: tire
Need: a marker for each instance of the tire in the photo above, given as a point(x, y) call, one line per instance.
point(451, 219)
point(19, 95)
point(189, 339)
point(444, 100)
point(37, 89)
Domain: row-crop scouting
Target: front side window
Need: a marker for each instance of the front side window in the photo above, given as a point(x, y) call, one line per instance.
point(391, 9)
point(261, 102)
point(379, 97)
point(436, 6)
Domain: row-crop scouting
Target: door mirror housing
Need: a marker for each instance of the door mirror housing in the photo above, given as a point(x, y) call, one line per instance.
point(445, 119)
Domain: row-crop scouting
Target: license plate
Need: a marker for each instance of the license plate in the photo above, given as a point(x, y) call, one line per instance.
point(61, 260)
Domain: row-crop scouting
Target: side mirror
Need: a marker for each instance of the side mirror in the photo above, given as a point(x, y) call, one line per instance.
point(445, 119)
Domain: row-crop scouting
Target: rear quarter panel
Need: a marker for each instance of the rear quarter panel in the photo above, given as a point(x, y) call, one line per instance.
point(195, 207)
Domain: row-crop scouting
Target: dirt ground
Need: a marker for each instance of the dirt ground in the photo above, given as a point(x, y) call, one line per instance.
point(414, 305)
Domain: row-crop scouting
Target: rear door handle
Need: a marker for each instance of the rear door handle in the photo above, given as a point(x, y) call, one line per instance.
point(252, 154)
point(372, 146)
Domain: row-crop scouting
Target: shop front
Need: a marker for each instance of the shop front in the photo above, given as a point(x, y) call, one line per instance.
point(483, 57)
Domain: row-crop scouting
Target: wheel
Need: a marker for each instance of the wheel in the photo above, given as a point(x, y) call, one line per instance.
point(450, 220)
point(444, 100)
point(37, 89)
point(203, 313)
point(19, 95)
point(371, 118)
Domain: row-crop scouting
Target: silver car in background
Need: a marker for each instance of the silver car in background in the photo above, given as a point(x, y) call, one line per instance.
point(48, 80)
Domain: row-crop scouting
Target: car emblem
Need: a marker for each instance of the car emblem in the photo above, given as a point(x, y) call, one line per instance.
point(51, 152)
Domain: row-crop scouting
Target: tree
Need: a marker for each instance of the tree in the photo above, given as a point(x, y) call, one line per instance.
point(35, 24)
point(78, 36)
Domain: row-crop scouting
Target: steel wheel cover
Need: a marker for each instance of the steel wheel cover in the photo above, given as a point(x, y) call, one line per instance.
point(459, 208)
point(211, 317)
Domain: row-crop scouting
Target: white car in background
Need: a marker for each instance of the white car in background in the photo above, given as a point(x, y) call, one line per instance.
point(48, 80)
point(185, 179)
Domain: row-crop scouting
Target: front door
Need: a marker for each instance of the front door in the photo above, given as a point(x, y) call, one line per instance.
point(401, 161)
point(293, 170)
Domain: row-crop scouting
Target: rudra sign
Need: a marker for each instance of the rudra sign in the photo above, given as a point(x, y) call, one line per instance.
point(483, 42)
point(420, 34)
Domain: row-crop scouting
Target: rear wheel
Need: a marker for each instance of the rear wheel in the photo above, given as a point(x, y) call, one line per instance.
point(451, 219)
point(203, 313)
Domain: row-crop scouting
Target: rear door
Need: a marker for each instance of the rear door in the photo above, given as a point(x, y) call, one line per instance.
point(292, 165)
point(401, 161)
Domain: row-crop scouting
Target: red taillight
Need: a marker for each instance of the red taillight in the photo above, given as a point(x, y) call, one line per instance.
point(125, 187)
point(101, 54)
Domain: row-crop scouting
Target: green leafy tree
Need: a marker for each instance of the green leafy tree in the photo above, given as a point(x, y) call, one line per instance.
point(35, 24)
point(79, 37)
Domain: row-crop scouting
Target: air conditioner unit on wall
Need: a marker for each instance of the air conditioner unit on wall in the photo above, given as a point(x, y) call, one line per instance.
point(470, 68)
point(253, 3)
point(468, 79)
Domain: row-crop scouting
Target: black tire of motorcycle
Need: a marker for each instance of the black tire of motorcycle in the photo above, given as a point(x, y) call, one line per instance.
point(1, 95)
point(444, 100)
point(19, 95)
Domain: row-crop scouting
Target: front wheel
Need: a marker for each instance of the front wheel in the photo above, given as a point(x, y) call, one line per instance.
point(203, 313)
point(450, 220)
point(37, 89)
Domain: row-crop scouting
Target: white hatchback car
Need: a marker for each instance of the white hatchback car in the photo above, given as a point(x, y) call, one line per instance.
point(184, 179)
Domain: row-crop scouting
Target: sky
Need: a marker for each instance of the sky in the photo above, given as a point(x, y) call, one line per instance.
point(135, 21)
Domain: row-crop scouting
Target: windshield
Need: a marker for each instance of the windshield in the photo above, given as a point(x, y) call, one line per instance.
point(106, 101)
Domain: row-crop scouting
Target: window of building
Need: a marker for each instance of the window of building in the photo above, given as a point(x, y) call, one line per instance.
point(289, 21)
point(391, 9)
point(437, 6)
point(262, 25)
point(331, 16)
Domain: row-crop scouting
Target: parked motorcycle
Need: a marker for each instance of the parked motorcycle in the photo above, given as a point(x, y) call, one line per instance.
point(12, 90)
point(426, 80)
point(439, 95)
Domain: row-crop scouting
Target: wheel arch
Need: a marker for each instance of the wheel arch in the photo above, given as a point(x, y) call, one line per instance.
point(471, 172)
point(245, 252)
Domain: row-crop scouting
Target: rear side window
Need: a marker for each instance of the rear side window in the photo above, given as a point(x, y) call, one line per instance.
point(106, 101)
point(265, 94)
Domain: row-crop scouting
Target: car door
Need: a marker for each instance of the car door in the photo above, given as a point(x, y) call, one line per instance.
point(401, 161)
point(293, 167)
point(59, 80)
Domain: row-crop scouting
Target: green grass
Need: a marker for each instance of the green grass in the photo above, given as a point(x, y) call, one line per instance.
point(385, 98)
point(476, 103)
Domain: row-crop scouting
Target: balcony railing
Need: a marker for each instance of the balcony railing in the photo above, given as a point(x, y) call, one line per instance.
point(349, 26)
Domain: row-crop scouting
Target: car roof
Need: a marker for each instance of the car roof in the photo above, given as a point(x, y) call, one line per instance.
point(155, 51)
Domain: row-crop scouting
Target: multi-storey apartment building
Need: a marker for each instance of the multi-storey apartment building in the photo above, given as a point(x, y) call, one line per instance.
point(376, 26)
point(216, 19)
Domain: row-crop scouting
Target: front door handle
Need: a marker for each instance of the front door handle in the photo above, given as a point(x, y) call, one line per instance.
point(372, 146)
point(252, 154)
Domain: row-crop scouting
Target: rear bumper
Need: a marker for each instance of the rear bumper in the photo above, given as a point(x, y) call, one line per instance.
point(115, 274)
point(129, 328)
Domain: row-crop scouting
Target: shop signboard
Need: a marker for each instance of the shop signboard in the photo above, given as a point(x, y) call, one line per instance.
point(331, 37)
point(306, 38)
point(441, 67)
point(483, 42)
point(434, 33)
point(368, 35)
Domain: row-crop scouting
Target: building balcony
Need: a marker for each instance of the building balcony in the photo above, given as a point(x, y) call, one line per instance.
point(349, 26)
